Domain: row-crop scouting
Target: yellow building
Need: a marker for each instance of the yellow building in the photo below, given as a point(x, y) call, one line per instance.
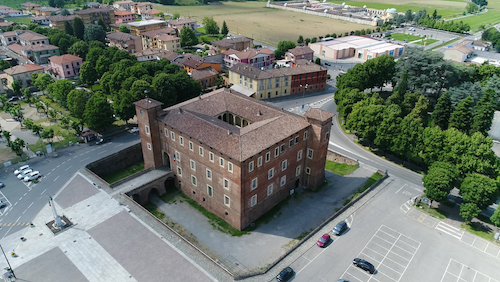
point(21, 73)
point(142, 26)
point(92, 15)
point(150, 38)
point(28, 8)
point(59, 21)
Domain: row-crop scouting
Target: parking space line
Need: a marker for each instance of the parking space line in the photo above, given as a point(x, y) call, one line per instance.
point(463, 266)
point(387, 234)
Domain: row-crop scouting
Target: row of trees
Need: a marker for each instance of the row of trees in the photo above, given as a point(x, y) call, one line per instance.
point(431, 21)
point(302, 41)
point(492, 35)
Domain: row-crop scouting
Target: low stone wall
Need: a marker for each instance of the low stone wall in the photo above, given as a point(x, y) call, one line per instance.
point(341, 159)
point(116, 161)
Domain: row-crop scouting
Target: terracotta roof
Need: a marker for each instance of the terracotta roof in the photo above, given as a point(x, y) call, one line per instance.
point(22, 69)
point(5, 7)
point(158, 52)
point(180, 21)
point(123, 2)
point(153, 33)
point(29, 4)
point(480, 43)
point(153, 12)
point(39, 18)
point(5, 24)
point(40, 47)
point(60, 18)
point(94, 10)
point(318, 114)
point(203, 73)
point(16, 48)
point(144, 4)
point(250, 53)
point(11, 11)
point(123, 13)
point(47, 9)
point(190, 63)
point(167, 37)
point(30, 35)
point(148, 103)
point(121, 36)
point(67, 58)
point(299, 51)
point(197, 118)
point(229, 42)
point(254, 73)
point(8, 33)
point(461, 47)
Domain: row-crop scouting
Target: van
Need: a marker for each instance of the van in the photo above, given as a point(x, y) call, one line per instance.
point(32, 176)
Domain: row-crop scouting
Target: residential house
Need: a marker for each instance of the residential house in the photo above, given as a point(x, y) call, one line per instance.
point(124, 41)
point(92, 5)
point(123, 5)
point(459, 52)
point(271, 83)
point(258, 58)
point(43, 20)
point(190, 62)
point(5, 8)
point(142, 26)
point(178, 24)
point(169, 42)
point(237, 43)
point(151, 14)
point(207, 77)
point(124, 17)
point(23, 37)
point(92, 15)
point(227, 154)
point(297, 53)
point(150, 38)
point(156, 54)
point(480, 45)
point(65, 66)
point(12, 13)
point(38, 54)
point(28, 8)
point(59, 21)
point(5, 24)
point(22, 74)
point(46, 11)
point(141, 8)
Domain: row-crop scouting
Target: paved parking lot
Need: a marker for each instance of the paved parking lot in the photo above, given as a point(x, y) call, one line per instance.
point(390, 252)
point(459, 272)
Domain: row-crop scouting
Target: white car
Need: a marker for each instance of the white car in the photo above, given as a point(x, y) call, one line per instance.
point(24, 173)
point(134, 130)
point(21, 169)
point(32, 176)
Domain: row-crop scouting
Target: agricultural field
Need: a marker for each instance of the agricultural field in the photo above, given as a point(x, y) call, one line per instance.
point(266, 25)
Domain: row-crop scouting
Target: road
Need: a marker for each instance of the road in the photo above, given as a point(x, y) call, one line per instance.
point(24, 201)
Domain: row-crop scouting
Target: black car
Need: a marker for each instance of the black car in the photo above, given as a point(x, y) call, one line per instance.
point(285, 274)
point(363, 264)
point(340, 228)
point(327, 64)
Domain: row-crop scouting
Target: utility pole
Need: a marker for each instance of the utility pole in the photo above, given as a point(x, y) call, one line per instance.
point(57, 219)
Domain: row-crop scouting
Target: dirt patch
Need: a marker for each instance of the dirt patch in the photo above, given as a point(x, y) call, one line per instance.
point(6, 154)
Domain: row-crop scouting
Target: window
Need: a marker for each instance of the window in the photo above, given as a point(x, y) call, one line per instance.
point(259, 161)
point(268, 157)
point(253, 201)
point(191, 147)
point(297, 139)
point(290, 143)
point(221, 162)
point(166, 132)
point(299, 155)
point(283, 181)
point(309, 153)
point(181, 140)
point(177, 157)
point(211, 156)
point(308, 171)
point(276, 152)
point(147, 130)
point(67, 66)
point(297, 171)
point(193, 180)
point(282, 148)
point(270, 173)
point(227, 200)
point(201, 151)
point(193, 164)
point(269, 189)
point(250, 166)
point(305, 135)
point(230, 166)
point(68, 72)
point(283, 165)
point(210, 191)
point(327, 136)
point(179, 171)
point(172, 136)
point(226, 184)
point(209, 174)
point(149, 146)
point(254, 183)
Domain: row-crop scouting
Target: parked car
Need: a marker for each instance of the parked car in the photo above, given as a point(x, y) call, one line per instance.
point(327, 64)
point(19, 170)
point(285, 274)
point(134, 130)
point(2, 204)
point(24, 173)
point(2, 185)
point(363, 264)
point(342, 280)
point(323, 241)
point(13, 99)
point(100, 141)
point(340, 228)
point(32, 176)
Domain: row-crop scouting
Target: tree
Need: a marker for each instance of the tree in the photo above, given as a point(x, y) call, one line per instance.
point(52, 3)
point(479, 190)
point(53, 114)
point(64, 45)
point(224, 30)
point(495, 218)
point(88, 74)
point(164, 90)
point(6, 135)
point(60, 90)
point(102, 24)
point(16, 87)
point(94, 32)
point(461, 118)
point(471, 8)
point(4, 65)
point(365, 117)
point(318, 61)
point(28, 123)
point(17, 146)
point(484, 112)
point(77, 127)
point(48, 133)
point(300, 41)
point(468, 211)
point(78, 28)
point(442, 112)
point(211, 26)
point(176, 16)
point(64, 12)
point(389, 128)
point(408, 16)
point(43, 81)
point(98, 113)
point(438, 181)
point(123, 105)
point(80, 49)
point(68, 28)
point(123, 28)
point(77, 99)
point(464, 90)
point(102, 65)
point(28, 96)
point(283, 47)
point(188, 37)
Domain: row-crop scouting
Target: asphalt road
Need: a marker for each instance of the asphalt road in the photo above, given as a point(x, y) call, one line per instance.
point(24, 201)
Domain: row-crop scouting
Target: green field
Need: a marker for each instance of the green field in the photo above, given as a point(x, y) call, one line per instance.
point(492, 17)
point(402, 37)
point(429, 42)
point(16, 4)
point(25, 21)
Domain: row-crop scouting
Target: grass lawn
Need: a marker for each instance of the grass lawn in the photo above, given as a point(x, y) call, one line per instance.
point(153, 209)
point(25, 21)
point(340, 169)
point(252, 19)
point(117, 175)
point(488, 19)
point(402, 37)
point(429, 42)
point(477, 230)
point(432, 211)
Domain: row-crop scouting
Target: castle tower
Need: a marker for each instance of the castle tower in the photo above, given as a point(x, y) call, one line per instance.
point(146, 112)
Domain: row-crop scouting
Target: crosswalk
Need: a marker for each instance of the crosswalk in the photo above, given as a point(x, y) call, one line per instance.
point(450, 230)
point(14, 224)
point(406, 207)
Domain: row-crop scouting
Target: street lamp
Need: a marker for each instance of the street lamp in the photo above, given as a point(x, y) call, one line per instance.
point(304, 94)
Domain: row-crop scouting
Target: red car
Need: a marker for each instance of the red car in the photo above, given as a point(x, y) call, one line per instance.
point(323, 241)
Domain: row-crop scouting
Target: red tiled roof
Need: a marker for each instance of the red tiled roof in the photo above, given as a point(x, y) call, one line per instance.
point(154, 12)
point(203, 73)
point(299, 51)
point(123, 13)
point(67, 58)
point(248, 53)
point(153, 33)
point(167, 37)
point(22, 69)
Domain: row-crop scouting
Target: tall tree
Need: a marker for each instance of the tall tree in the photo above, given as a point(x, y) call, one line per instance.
point(211, 26)
point(102, 24)
point(399, 92)
point(300, 41)
point(77, 99)
point(43, 81)
point(164, 90)
point(80, 49)
point(188, 37)
point(64, 45)
point(4, 65)
point(17, 146)
point(88, 74)
point(98, 113)
point(16, 87)
point(283, 47)
point(484, 112)
point(94, 32)
point(495, 218)
point(479, 189)
point(123, 105)
point(78, 28)
point(48, 134)
point(68, 28)
point(442, 112)
point(438, 181)
point(464, 90)
point(123, 28)
point(461, 118)
point(224, 30)
point(64, 12)
point(389, 128)
point(60, 90)
point(468, 211)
